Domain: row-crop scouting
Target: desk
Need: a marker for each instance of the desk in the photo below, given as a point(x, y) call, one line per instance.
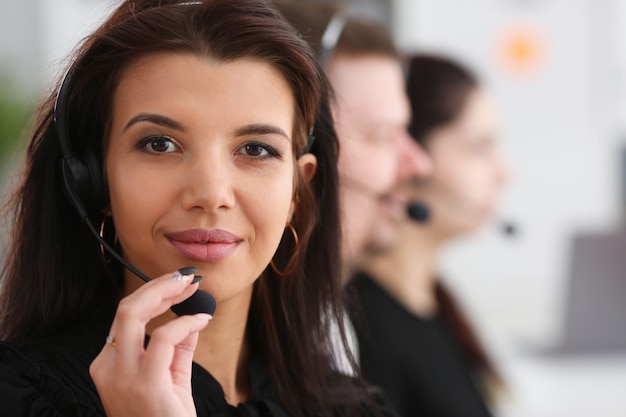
point(548, 385)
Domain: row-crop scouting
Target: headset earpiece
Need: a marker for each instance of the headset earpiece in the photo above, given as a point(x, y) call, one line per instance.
point(82, 176)
point(96, 194)
point(310, 140)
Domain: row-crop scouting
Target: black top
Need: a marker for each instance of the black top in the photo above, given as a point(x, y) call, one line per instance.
point(415, 361)
point(51, 379)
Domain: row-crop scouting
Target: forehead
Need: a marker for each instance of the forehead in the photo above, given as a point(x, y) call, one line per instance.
point(477, 122)
point(370, 89)
point(205, 90)
point(480, 107)
point(173, 67)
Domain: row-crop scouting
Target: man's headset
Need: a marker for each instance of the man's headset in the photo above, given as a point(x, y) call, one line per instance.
point(330, 38)
point(83, 182)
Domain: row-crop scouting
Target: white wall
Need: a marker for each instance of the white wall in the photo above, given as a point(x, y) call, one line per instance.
point(561, 134)
point(64, 24)
point(19, 43)
point(36, 36)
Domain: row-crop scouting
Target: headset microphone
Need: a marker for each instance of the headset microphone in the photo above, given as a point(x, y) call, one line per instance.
point(418, 212)
point(82, 179)
point(508, 228)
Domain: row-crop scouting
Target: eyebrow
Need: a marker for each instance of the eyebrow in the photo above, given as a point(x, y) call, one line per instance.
point(261, 129)
point(156, 119)
point(251, 129)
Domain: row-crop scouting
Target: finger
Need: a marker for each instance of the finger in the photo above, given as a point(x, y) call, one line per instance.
point(156, 296)
point(135, 310)
point(171, 348)
point(182, 363)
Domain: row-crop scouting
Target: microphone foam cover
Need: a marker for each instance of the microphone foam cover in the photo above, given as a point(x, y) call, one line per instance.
point(418, 212)
point(509, 229)
point(199, 302)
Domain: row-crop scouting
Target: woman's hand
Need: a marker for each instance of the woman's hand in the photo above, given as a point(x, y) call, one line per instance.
point(154, 381)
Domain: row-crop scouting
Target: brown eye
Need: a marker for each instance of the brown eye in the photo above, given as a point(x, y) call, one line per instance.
point(258, 150)
point(158, 144)
point(255, 150)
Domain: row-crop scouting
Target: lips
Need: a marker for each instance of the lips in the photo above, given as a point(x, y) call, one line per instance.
point(204, 245)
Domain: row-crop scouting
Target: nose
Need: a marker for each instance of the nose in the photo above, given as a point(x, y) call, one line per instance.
point(414, 162)
point(209, 182)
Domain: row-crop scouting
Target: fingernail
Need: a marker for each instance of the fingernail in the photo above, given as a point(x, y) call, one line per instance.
point(203, 316)
point(180, 277)
point(188, 270)
point(196, 279)
point(184, 274)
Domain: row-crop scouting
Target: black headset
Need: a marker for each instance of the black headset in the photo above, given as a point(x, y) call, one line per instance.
point(82, 175)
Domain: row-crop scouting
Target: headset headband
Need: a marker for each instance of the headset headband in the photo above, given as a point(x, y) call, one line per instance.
point(330, 38)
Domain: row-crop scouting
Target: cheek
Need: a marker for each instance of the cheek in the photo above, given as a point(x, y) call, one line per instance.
point(370, 165)
point(137, 200)
point(457, 171)
point(477, 180)
point(268, 208)
point(356, 206)
point(463, 189)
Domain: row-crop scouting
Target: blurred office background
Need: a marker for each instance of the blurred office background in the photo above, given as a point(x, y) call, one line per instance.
point(557, 69)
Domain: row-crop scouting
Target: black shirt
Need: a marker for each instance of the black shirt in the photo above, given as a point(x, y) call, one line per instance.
point(415, 361)
point(51, 379)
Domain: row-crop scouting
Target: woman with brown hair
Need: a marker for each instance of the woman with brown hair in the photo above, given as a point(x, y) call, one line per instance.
point(418, 344)
point(183, 130)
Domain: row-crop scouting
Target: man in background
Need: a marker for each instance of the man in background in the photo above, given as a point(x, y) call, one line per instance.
point(371, 113)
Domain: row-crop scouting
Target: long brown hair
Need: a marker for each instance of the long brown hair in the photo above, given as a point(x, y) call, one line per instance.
point(55, 276)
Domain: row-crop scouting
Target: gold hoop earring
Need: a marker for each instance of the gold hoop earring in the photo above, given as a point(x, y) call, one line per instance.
point(295, 242)
point(102, 225)
point(103, 229)
point(294, 233)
